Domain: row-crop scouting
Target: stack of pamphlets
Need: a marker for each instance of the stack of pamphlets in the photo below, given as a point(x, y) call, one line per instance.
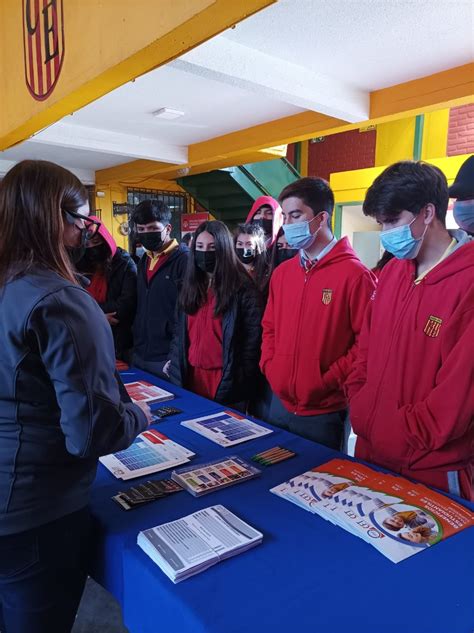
point(397, 517)
point(226, 428)
point(187, 546)
point(204, 478)
point(150, 453)
point(142, 391)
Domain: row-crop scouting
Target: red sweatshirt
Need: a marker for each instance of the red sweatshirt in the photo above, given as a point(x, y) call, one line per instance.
point(412, 388)
point(310, 328)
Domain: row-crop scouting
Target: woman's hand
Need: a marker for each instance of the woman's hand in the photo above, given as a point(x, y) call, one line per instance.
point(146, 410)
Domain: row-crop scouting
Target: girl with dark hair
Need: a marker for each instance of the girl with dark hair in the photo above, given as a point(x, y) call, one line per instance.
point(60, 406)
point(113, 284)
point(216, 346)
point(251, 250)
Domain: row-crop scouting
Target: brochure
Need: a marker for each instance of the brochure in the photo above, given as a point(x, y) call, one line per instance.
point(226, 428)
point(142, 391)
point(187, 546)
point(397, 517)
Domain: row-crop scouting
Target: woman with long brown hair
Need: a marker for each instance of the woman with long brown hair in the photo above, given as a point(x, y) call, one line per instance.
point(216, 347)
point(60, 407)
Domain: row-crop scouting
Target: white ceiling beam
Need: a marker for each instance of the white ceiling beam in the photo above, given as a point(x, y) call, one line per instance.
point(105, 141)
point(86, 176)
point(227, 61)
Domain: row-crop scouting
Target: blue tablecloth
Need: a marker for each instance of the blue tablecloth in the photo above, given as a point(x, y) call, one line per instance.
point(308, 576)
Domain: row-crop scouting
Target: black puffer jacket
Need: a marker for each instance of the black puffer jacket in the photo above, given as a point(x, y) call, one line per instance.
point(241, 332)
point(122, 299)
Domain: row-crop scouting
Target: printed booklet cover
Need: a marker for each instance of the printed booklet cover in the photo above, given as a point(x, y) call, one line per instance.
point(150, 453)
point(142, 391)
point(226, 428)
point(397, 517)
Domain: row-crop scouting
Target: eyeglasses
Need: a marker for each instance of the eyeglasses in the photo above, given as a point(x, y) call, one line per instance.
point(91, 226)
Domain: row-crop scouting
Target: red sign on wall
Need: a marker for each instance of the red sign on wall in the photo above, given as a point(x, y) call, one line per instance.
point(190, 221)
point(43, 45)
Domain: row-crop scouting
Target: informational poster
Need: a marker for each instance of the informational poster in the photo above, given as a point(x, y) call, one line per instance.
point(191, 221)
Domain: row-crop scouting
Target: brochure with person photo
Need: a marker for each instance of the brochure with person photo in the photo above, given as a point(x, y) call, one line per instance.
point(397, 517)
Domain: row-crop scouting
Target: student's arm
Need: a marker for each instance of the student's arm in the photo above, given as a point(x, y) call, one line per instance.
point(360, 295)
point(251, 319)
point(76, 346)
point(358, 374)
point(446, 414)
point(125, 304)
point(268, 329)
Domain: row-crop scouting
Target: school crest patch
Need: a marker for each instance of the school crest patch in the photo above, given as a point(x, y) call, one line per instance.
point(433, 326)
point(327, 296)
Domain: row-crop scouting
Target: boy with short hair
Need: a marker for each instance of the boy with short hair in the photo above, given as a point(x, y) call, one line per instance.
point(411, 390)
point(160, 273)
point(313, 317)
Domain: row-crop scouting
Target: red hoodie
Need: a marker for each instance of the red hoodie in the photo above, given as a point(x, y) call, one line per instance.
point(98, 282)
point(310, 327)
point(277, 214)
point(411, 390)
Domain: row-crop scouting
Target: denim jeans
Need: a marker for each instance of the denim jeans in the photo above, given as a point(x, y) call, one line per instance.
point(42, 575)
point(326, 428)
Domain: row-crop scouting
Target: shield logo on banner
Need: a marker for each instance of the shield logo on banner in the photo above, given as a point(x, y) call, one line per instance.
point(43, 45)
point(433, 326)
point(327, 296)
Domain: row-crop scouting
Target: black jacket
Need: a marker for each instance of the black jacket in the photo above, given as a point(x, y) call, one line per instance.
point(122, 299)
point(241, 333)
point(60, 406)
point(154, 322)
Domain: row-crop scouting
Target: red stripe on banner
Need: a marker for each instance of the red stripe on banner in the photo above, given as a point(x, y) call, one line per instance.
point(46, 40)
point(57, 40)
point(39, 61)
point(31, 79)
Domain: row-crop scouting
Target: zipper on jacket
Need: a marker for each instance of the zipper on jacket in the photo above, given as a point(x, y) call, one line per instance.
point(302, 303)
point(407, 298)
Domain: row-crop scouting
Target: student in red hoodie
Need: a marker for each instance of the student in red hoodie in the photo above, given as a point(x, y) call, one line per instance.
point(411, 390)
point(313, 317)
point(266, 212)
point(113, 284)
point(216, 342)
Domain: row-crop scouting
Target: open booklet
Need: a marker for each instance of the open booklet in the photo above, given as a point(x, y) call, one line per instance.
point(397, 517)
point(187, 546)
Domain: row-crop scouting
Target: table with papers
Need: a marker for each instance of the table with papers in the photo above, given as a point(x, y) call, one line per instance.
point(306, 576)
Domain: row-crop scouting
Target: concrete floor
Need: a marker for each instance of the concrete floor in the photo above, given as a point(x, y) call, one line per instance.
point(98, 612)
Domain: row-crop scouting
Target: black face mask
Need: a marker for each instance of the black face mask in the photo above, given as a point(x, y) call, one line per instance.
point(267, 225)
point(96, 254)
point(246, 255)
point(76, 253)
point(205, 260)
point(152, 241)
point(283, 254)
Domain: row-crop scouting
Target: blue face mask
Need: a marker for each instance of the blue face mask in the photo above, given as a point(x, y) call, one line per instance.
point(299, 235)
point(400, 241)
point(463, 211)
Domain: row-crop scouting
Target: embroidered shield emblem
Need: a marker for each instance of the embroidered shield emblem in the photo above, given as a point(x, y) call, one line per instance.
point(327, 296)
point(43, 45)
point(433, 326)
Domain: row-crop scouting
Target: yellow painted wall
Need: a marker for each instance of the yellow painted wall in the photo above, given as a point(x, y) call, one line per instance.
point(395, 141)
point(351, 186)
point(435, 134)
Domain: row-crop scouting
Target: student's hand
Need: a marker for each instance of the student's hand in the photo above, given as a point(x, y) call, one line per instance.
point(166, 368)
point(111, 318)
point(146, 410)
